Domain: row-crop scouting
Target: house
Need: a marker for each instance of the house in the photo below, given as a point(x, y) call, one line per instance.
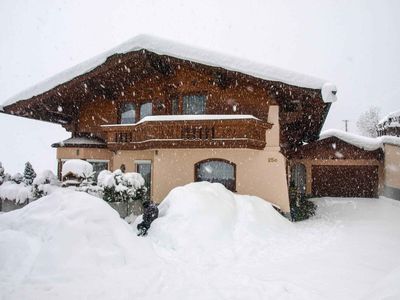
point(389, 125)
point(178, 114)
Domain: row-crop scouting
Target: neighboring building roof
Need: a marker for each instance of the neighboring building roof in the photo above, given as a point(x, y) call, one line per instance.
point(390, 120)
point(181, 51)
point(82, 142)
point(363, 142)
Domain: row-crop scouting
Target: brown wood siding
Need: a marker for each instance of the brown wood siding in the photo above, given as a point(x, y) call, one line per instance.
point(334, 148)
point(345, 181)
point(93, 99)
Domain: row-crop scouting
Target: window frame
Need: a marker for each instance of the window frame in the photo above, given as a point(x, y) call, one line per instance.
point(138, 162)
point(188, 94)
point(121, 105)
point(140, 108)
point(197, 166)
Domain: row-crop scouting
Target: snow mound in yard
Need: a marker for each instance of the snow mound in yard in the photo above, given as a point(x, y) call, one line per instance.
point(203, 216)
point(65, 234)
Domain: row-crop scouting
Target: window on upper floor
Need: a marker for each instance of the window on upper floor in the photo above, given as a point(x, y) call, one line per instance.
point(194, 104)
point(175, 106)
point(146, 109)
point(128, 113)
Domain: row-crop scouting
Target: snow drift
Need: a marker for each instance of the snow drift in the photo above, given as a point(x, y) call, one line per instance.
point(65, 234)
point(208, 243)
point(207, 218)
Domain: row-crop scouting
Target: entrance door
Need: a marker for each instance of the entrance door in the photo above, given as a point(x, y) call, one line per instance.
point(143, 167)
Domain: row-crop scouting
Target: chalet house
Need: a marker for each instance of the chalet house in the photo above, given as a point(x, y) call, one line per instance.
point(177, 114)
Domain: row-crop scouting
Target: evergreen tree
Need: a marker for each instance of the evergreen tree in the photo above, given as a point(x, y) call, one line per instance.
point(29, 173)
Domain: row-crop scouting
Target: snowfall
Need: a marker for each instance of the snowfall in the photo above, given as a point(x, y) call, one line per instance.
point(208, 243)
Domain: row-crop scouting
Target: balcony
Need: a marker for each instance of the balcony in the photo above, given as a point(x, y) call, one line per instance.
point(188, 131)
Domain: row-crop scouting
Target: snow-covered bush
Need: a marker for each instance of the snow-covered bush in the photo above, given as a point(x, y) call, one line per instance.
point(16, 192)
point(78, 172)
point(17, 178)
point(121, 187)
point(300, 207)
point(43, 183)
point(29, 173)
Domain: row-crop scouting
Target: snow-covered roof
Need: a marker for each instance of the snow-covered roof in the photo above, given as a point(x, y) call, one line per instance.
point(363, 142)
point(186, 118)
point(78, 141)
point(77, 167)
point(390, 120)
point(181, 51)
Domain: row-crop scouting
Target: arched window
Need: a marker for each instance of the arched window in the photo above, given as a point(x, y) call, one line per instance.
point(128, 113)
point(146, 109)
point(217, 170)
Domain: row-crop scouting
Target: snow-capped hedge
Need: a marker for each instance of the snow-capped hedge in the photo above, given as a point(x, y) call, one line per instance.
point(121, 187)
point(17, 192)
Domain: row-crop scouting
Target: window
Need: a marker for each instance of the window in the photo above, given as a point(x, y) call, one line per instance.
point(194, 105)
point(128, 113)
point(175, 106)
point(98, 166)
point(217, 170)
point(146, 109)
point(143, 167)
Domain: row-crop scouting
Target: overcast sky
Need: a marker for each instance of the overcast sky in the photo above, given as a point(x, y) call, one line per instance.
point(355, 44)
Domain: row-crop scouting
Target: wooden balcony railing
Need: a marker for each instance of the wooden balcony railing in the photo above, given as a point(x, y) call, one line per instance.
point(221, 133)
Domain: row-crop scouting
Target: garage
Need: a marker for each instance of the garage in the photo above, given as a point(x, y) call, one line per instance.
point(337, 167)
point(345, 181)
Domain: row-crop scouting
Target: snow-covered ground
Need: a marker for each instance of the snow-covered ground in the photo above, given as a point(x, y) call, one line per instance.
point(207, 244)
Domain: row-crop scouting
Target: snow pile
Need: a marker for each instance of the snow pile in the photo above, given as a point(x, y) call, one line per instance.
point(363, 142)
point(174, 49)
point(207, 217)
point(18, 192)
point(78, 168)
point(65, 238)
point(208, 243)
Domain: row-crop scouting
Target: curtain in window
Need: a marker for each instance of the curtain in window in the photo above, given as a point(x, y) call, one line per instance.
point(146, 109)
point(194, 105)
point(128, 113)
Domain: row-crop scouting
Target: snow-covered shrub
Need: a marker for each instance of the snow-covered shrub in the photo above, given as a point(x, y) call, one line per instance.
point(300, 207)
point(16, 192)
point(77, 172)
point(17, 178)
point(43, 183)
point(29, 173)
point(121, 187)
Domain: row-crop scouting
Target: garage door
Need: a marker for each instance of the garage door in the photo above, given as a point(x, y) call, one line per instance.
point(345, 181)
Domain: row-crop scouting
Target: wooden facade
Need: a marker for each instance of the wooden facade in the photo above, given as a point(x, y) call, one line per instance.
point(85, 103)
point(335, 168)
